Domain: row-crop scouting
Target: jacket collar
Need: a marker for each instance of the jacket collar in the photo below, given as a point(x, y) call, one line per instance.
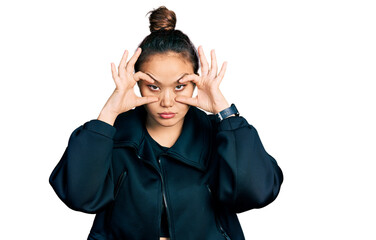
point(192, 147)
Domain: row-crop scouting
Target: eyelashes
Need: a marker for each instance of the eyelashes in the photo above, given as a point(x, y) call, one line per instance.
point(152, 87)
point(178, 88)
point(180, 85)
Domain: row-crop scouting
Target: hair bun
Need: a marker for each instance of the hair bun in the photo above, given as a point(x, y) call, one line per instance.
point(162, 19)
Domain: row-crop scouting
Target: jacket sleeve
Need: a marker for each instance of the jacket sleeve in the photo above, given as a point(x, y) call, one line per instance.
point(83, 177)
point(247, 176)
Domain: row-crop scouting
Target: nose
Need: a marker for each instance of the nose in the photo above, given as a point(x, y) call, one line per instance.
point(167, 98)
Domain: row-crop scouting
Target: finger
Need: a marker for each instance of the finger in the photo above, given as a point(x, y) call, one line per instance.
point(204, 62)
point(190, 77)
point(187, 100)
point(114, 73)
point(132, 61)
point(214, 67)
point(222, 72)
point(122, 63)
point(142, 76)
point(145, 100)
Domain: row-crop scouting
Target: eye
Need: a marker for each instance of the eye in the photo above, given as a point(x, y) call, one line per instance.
point(180, 87)
point(153, 87)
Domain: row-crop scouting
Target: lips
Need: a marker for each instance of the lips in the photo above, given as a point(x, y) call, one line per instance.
point(167, 115)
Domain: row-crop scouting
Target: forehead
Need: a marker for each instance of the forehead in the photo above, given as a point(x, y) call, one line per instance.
point(166, 68)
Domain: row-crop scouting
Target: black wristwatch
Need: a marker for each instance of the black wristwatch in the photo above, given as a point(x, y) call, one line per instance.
point(227, 112)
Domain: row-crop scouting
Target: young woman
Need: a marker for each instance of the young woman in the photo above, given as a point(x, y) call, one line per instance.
point(158, 166)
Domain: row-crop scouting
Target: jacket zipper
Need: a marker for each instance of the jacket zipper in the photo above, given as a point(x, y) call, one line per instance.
point(164, 198)
point(227, 237)
point(163, 191)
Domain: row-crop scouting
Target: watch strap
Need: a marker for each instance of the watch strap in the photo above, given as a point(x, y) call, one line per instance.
point(227, 112)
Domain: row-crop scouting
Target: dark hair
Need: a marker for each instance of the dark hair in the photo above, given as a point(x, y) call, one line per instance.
point(164, 38)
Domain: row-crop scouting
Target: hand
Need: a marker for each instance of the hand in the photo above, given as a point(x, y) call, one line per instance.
point(209, 97)
point(123, 98)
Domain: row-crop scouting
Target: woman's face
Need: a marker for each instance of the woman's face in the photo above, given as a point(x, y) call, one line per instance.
point(166, 69)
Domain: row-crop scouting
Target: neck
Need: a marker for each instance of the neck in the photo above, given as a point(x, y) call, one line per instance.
point(165, 136)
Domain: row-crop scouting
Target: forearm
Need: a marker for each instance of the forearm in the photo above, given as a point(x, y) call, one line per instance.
point(107, 116)
point(83, 178)
point(248, 176)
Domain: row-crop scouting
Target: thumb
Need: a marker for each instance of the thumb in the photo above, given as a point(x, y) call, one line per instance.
point(187, 100)
point(145, 100)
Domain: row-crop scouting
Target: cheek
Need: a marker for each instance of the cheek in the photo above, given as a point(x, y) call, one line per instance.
point(151, 108)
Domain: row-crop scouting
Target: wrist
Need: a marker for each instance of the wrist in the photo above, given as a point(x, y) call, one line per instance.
point(219, 102)
point(222, 105)
point(221, 108)
point(107, 116)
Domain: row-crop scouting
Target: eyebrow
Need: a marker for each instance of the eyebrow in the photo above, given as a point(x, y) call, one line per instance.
point(159, 82)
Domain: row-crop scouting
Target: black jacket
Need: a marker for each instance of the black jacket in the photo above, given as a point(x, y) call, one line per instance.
point(212, 172)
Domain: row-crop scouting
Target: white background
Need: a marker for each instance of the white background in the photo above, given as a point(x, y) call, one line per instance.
point(301, 72)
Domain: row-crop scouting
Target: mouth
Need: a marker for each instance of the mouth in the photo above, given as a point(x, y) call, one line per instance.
point(167, 115)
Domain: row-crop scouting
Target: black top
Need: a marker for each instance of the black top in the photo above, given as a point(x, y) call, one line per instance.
point(206, 155)
point(158, 149)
